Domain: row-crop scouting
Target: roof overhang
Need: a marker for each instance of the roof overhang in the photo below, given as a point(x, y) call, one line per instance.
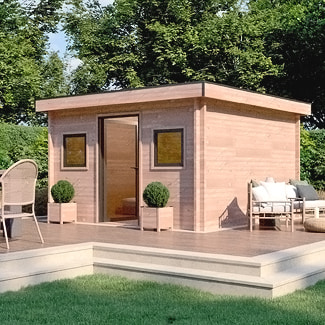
point(174, 92)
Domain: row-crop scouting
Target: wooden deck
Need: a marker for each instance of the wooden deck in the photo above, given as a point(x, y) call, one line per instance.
point(266, 263)
point(235, 242)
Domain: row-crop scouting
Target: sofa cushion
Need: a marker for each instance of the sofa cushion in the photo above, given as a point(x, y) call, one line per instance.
point(276, 191)
point(260, 194)
point(311, 204)
point(307, 191)
point(272, 208)
point(291, 191)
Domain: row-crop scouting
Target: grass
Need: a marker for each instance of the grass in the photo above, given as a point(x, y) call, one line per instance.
point(100, 299)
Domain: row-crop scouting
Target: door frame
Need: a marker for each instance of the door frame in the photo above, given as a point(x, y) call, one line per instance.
point(101, 163)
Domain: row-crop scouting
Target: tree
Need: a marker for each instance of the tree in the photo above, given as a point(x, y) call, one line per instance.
point(24, 60)
point(295, 40)
point(269, 46)
point(151, 42)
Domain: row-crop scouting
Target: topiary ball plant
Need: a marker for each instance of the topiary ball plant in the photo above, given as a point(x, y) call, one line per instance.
point(62, 192)
point(156, 195)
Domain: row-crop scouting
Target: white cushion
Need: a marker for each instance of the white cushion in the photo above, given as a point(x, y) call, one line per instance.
point(315, 204)
point(291, 191)
point(260, 194)
point(273, 208)
point(276, 191)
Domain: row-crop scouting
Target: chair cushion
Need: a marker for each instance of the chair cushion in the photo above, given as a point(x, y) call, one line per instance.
point(312, 204)
point(260, 194)
point(307, 191)
point(276, 191)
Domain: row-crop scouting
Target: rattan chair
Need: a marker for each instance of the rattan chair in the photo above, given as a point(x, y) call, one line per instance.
point(18, 193)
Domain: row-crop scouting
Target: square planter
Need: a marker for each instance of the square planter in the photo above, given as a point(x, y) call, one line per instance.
point(62, 212)
point(157, 218)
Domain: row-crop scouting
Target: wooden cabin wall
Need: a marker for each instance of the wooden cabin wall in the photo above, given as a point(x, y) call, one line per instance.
point(225, 146)
point(158, 116)
point(244, 144)
point(180, 181)
point(84, 181)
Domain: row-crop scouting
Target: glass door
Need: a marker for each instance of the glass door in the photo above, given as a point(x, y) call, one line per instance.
point(119, 148)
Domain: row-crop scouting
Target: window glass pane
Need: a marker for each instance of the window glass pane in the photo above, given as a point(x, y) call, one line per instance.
point(168, 147)
point(74, 150)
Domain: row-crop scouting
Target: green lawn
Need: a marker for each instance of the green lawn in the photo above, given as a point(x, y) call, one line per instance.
point(99, 299)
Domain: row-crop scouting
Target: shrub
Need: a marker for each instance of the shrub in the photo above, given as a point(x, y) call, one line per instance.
point(41, 198)
point(156, 195)
point(62, 192)
point(21, 142)
point(312, 157)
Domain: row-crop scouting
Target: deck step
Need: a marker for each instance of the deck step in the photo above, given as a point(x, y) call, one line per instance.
point(262, 265)
point(216, 282)
point(21, 269)
point(269, 275)
point(177, 258)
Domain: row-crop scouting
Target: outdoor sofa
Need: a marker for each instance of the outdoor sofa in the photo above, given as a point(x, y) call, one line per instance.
point(283, 201)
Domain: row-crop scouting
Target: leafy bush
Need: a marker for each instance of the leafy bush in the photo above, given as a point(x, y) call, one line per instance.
point(62, 191)
point(41, 198)
point(21, 142)
point(156, 195)
point(312, 157)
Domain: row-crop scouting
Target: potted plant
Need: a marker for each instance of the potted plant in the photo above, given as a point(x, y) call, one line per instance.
point(62, 209)
point(156, 214)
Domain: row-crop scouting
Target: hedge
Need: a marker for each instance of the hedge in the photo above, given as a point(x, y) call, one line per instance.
point(25, 142)
point(312, 157)
point(22, 142)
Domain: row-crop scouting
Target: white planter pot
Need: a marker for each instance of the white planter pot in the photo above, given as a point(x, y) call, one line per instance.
point(62, 212)
point(156, 218)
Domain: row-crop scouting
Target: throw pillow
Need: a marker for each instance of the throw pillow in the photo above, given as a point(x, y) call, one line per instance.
point(260, 194)
point(308, 192)
point(276, 191)
point(296, 182)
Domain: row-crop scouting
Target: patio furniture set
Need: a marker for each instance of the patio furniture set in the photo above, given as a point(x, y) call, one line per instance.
point(269, 200)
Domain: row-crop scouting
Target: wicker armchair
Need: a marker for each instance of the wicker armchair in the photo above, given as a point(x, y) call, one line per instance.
point(18, 191)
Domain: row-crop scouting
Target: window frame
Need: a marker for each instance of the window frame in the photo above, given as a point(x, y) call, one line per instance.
point(155, 163)
point(64, 164)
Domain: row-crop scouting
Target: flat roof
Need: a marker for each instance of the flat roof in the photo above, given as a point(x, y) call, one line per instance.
point(174, 92)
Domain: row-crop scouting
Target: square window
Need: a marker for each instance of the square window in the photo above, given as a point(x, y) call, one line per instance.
point(168, 148)
point(74, 150)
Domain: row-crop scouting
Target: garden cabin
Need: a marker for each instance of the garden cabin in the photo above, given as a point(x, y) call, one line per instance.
point(204, 141)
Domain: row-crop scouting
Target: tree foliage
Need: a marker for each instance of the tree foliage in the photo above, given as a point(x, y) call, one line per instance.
point(295, 40)
point(269, 46)
point(27, 70)
point(145, 42)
